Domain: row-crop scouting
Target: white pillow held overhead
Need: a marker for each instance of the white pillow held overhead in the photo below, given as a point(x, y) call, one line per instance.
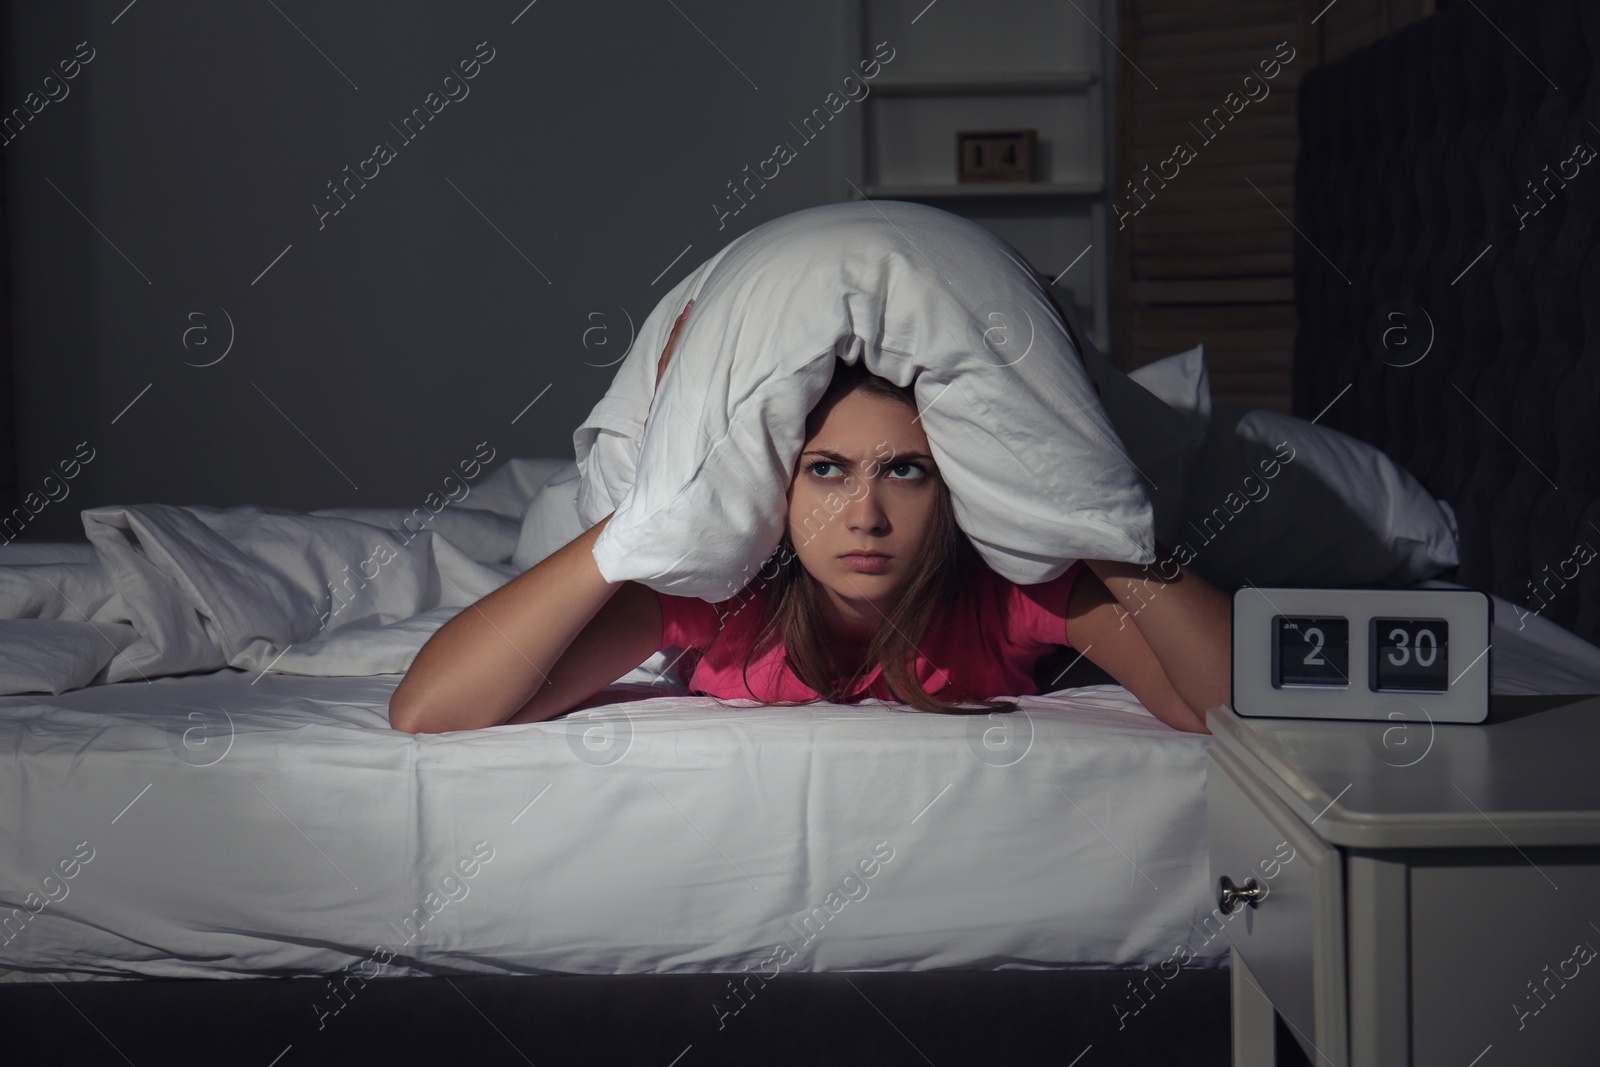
point(927, 299)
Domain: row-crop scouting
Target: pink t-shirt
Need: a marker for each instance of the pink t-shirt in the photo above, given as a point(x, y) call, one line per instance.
point(988, 642)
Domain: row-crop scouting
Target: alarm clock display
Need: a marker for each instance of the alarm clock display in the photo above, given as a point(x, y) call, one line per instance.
point(1348, 653)
point(1308, 650)
point(1411, 654)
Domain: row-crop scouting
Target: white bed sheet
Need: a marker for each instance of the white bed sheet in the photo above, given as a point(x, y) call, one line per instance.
point(298, 840)
point(1529, 654)
point(250, 824)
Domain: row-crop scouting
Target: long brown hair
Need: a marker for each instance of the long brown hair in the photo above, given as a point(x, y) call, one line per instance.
point(941, 572)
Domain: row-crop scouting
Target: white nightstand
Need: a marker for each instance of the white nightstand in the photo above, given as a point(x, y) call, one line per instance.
point(1441, 891)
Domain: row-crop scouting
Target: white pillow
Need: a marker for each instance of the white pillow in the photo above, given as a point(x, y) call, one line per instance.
point(1164, 440)
point(1038, 476)
point(1279, 501)
point(1346, 514)
point(1181, 381)
point(551, 518)
point(508, 489)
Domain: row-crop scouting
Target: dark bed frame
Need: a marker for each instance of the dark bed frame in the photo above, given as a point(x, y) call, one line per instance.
point(1412, 152)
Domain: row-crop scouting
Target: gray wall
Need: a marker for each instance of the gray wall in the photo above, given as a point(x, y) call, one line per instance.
point(391, 338)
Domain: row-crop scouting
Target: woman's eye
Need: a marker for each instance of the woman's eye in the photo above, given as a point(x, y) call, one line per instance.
point(921, 471)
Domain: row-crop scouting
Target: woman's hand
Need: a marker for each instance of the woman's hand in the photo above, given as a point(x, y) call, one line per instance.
point(672, 341)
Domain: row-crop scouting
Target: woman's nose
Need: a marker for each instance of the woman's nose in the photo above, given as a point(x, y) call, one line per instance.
point(865, 511)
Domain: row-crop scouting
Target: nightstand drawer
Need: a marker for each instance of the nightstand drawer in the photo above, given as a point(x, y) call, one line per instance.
point(1503, 955)
point(1292, 940)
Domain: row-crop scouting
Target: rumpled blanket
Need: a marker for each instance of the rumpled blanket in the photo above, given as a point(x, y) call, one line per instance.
point(164, 589)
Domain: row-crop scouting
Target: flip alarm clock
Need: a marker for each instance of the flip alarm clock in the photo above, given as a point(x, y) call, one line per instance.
point(1362, 653)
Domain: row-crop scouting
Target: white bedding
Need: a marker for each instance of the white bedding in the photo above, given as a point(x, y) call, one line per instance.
point(163, 589)
point(293, 834)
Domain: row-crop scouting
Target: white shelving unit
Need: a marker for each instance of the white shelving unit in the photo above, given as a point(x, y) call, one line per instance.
point(1003, 64)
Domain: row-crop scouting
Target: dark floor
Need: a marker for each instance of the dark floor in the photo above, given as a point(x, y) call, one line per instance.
point(948, 1018)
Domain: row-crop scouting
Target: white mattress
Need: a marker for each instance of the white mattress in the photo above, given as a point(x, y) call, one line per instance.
point(316, 831)
point(275, 826)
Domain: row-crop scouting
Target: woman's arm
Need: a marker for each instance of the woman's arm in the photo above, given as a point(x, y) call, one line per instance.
point(1183, 624)
point(495, 661)
point(490, 660)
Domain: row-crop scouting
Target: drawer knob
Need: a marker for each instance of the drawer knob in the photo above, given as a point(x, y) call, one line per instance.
point(1231, 895)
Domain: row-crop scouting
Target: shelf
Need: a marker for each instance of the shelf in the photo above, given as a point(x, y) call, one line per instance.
point(901, 191)
point(991, 83)
point(1044, 66)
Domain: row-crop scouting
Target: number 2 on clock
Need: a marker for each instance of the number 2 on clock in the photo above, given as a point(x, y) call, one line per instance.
point(1317, 639)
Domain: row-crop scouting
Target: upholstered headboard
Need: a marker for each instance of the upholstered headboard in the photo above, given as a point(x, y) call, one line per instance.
point(1447, 277)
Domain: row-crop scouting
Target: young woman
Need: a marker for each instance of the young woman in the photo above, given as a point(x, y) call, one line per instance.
point(874, 591)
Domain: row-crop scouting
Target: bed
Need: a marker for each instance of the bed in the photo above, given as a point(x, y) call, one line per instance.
point(747, 873)
point(256, 825)
point(261, 872)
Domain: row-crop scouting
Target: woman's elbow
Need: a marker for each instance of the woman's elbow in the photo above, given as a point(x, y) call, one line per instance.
point(414, 715)
point(405, 716)
point(411, 713)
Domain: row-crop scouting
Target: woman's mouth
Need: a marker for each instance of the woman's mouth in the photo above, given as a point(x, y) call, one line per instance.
point(866, 562)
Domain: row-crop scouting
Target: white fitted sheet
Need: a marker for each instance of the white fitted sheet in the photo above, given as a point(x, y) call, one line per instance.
point(247, 824)
point(316, 831)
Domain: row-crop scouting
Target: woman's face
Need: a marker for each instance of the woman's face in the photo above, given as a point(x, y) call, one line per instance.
point(864, 482)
